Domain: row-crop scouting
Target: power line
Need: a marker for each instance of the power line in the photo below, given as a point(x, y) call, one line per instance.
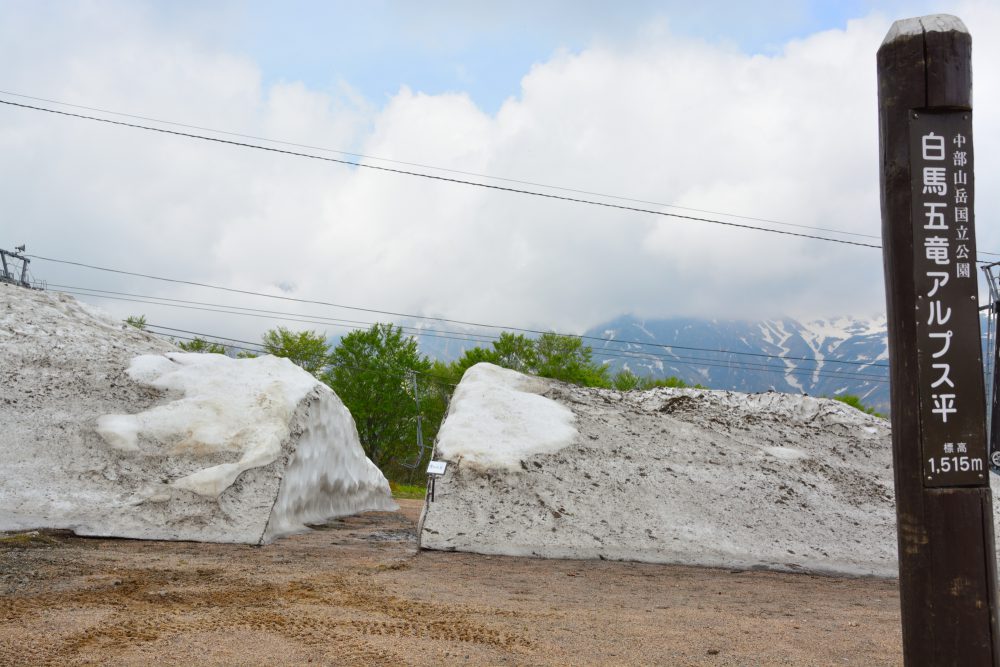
point(680, 360)
point(476, 338)
point(546, 195)
point(301, 317)
point(745, 365)
point(427, 317)
point(437, 333)
point(614, 354)
point(259, 349)
point(437, 168)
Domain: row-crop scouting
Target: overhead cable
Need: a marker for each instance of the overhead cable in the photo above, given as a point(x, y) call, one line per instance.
point(436, 168)
point(434, 333)
point(434, 177)
point(629, 354)
point(687, 361)
point(260, 349)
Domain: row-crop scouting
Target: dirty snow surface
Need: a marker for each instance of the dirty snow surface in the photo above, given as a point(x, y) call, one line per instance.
point(700, 477)
point(110, 431)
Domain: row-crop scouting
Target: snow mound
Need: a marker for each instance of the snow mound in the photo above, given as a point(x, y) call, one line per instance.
point(228, 405)
point(111, 431)
point(700, 477)
point(496, 419)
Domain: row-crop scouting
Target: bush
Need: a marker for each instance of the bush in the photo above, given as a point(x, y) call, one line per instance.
point(855, 402)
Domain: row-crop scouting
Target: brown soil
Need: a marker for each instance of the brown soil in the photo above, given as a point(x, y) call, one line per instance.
point(357, 592)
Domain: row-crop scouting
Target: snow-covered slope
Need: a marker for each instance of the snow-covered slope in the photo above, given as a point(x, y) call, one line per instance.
point(819, 358)
point(110, 431)
point(716, 478)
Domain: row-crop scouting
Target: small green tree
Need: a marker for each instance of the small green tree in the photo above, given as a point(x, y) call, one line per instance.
point(855, 402)
point(201, 345)
point(470, 358)
point(515, 351)
point(626, 380)
point(307, 349)
point(552, 355)
point(371, 372)
point(137, 322)
point(445, 373)
point(566, 358)
point(672, 381)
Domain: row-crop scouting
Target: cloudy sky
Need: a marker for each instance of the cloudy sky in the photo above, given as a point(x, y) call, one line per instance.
point(765, 111)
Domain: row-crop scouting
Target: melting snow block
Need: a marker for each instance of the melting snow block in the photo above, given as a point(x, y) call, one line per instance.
point(167, 445)
point(715, 478)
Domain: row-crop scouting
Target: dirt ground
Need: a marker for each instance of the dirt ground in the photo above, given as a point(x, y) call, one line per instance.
point(357, 592)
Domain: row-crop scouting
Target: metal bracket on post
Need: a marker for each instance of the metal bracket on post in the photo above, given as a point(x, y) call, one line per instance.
point(7, 273)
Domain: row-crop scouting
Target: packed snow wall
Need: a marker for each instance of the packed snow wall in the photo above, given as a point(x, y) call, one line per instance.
point(108, 430)
point(715, 478)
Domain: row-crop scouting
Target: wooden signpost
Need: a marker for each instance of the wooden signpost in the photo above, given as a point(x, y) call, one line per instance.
point(944, 509)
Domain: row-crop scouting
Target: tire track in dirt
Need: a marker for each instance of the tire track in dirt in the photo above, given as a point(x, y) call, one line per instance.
point(150, 605)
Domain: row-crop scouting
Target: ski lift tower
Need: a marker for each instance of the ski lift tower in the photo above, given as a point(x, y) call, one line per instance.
point(9, 264)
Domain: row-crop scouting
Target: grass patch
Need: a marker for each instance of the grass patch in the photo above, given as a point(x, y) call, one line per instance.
point(30, 539)
point(856, 403)
point(408, 491)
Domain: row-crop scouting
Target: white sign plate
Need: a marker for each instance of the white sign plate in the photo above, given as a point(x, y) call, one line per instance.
point(436, 467)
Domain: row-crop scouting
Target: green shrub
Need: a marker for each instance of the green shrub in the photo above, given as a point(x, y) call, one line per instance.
point(855, 402)
point(407, 491)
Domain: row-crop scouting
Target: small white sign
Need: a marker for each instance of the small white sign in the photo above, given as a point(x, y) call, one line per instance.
point(436, 467)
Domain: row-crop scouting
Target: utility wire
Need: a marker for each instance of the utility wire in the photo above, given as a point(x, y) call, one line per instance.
point(619, 354)
point(446, 179)
point(454, 335)
point(436, 333)
point(647, 356)
point(227, 342)
point(745, 365)
point(419, 317)
point(533, 193)
point(412, 330)
point(429, 166)
point(308, 318)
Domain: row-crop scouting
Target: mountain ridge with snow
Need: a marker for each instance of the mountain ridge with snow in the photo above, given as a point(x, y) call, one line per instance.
point(823, 357)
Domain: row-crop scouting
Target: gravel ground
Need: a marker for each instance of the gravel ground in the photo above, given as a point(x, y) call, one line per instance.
point(357, 592)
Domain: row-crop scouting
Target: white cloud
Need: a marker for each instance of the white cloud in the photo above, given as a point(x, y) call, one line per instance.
point(790, 137)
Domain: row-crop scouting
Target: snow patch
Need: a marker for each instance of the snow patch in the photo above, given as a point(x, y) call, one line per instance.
point(497, 418)
point(227, 405)
point(786, 453)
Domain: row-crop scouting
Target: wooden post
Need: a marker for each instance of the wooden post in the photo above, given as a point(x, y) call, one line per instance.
point(944, 509)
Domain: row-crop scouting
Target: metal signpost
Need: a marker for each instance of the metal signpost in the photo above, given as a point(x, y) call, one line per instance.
point(944, 510)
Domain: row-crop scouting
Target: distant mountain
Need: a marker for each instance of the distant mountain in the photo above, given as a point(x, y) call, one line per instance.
point(843, 355)
point(822, 357)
